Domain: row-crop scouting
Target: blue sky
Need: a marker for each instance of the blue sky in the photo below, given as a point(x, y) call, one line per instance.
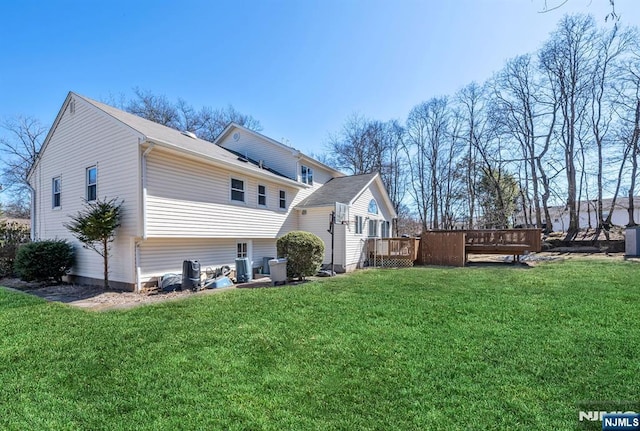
point(300, 67)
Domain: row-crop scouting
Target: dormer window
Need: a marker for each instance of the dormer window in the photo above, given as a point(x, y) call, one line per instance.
point(306, 175)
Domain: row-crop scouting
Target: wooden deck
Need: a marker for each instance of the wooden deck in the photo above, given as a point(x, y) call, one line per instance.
point(391, 252)
point(452, 247)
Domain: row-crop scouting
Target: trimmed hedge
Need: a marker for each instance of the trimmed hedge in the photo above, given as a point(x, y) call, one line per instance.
point(44, 260)
point(304, 252)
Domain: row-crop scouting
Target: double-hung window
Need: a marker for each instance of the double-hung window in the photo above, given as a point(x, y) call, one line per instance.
point(92, 183)
point(283, 199)
point(56, 193)
point(306, 174)
point(358, 225)
point(373, 228)
point(385, 229)
point(237, 190)
point(262, 195)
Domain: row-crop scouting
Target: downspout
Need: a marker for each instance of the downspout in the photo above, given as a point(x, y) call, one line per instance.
point(32, 209)
point(144, 190)
point(143, 216)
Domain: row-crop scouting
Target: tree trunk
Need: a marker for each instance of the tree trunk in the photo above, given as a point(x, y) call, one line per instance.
point(105, 256)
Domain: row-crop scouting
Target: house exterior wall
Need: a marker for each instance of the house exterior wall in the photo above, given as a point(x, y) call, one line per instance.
point(84, 138)
point(189, 198)
point(316, 221)
point(560, 216)
point(275, 157)
point(354, 242)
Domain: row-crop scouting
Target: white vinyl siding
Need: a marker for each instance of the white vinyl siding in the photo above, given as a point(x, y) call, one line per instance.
point(316, 221)
point(88, 138)
point(56, 193)
point(188, 198)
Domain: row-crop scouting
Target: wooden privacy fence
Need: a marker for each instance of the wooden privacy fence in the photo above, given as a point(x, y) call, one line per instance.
point(391, 252)
point(452, 247)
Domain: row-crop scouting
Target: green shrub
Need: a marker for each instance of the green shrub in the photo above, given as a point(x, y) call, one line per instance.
point(44, 260)
point(12, 235)
point(304, 252)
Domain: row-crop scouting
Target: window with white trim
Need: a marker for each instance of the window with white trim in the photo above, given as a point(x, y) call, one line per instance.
point(92, 183)
point(359, 225)
point(283, 199)
point(237, 190)
point(385, 228)
point(56, 193)
point(306, 175)
point(262, 195)
point(373, 228)
point(242, 250)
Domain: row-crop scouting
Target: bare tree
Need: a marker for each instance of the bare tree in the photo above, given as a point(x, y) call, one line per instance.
point(610, 45)
point(365, 146)
point(431, 156)
point(205, 122)
point(20, 145)
point(567, 59)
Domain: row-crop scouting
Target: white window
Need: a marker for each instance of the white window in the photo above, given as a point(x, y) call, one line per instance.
point(373, 228)
point(283, 199)
point(306, 175)
point(358, 225)
point(385, 229)
point(92, 183)
point(56, 191)
point(242, 250)
point(237, 190)
point(262, 195)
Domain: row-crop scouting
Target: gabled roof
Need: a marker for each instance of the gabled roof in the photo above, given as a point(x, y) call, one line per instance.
point(174, 139)
point(166, 137)
point(345, 190)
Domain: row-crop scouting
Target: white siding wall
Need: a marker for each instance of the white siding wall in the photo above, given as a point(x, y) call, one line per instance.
point(86, 138)
point(274, 156)
point(316, 221)
point(160, 256)
point(354, 243)
point(188, 198)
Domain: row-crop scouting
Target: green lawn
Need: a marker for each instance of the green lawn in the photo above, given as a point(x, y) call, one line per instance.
point(419, 349)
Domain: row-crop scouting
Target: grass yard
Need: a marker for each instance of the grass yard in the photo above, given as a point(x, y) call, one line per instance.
point(419, 349)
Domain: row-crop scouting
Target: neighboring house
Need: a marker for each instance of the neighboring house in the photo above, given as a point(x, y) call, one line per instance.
point(189, 199)
point(588, 216)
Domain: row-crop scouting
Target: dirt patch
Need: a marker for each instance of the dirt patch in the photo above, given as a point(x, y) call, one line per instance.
point(99, 299)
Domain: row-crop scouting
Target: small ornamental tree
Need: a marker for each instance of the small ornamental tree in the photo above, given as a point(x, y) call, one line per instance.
point(304, 252)
point(95, 227)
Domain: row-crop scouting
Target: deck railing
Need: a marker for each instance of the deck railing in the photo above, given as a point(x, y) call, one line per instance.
point(390, 252)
